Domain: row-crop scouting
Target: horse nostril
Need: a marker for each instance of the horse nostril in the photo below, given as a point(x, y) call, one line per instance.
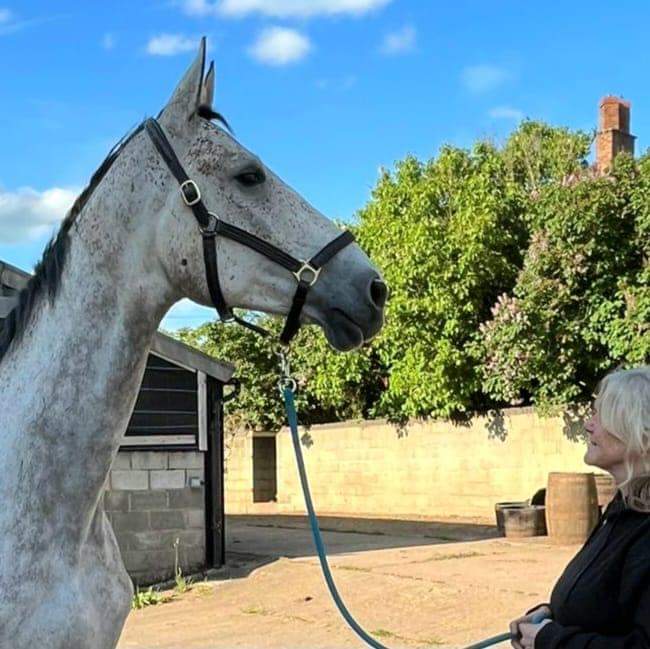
point(378, 293)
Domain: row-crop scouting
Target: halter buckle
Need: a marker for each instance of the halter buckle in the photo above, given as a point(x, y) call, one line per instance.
point(194, 198)
point(307, 267)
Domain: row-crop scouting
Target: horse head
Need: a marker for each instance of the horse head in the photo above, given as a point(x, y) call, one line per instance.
point(237, 188)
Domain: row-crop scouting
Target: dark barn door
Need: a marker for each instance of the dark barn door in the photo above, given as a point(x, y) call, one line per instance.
point(265, 488)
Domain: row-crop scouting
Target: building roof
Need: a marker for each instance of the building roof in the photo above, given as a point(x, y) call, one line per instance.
point(13, 279)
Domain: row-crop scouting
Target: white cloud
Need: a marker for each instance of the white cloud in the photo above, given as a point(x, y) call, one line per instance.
point(484, 77)
point(342, 83)
point(10, 24)
point(400, 41)
point(506, 112)
point(281, 8)
point(27, 213)
point(171, 44)
point(280, 46)
point(108, 41)
point(198, 7)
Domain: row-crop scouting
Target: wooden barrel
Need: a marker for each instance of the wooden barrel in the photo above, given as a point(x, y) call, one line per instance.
point(605, 488)
point(510, 504)
point(571, 507)
point(524, 521)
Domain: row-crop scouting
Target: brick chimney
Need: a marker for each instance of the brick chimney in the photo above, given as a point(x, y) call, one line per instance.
point(613, 132)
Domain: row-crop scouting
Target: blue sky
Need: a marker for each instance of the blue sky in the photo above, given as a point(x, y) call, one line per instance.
point(325, 91)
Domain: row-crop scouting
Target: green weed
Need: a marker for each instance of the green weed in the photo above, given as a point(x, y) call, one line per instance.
point(150, 597)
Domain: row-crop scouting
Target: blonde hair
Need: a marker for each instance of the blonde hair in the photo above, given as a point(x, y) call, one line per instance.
point(622, 401)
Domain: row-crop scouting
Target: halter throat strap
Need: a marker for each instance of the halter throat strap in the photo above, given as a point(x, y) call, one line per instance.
point(211, 226)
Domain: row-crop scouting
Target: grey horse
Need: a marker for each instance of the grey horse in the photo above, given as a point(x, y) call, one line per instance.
point(73, 352)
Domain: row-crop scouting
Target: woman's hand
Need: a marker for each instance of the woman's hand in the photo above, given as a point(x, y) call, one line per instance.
point(528, 633)
point(524, 630)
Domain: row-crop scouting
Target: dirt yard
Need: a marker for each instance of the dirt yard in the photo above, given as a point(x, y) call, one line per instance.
point(409, 584)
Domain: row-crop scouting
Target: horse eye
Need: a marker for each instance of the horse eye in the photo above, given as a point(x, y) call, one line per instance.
point(251, 178)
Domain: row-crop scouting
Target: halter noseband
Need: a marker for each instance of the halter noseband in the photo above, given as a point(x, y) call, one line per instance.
point(211, 226)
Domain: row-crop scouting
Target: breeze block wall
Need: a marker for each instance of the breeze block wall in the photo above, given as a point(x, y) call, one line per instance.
point(428, 469)
point(433, 468)
point(238, 473)
point(150, 504)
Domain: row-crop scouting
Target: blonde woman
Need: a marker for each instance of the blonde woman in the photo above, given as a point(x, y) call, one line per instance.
point(602, 600)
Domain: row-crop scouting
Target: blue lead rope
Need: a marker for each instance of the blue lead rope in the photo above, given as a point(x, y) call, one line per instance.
point(290, 407)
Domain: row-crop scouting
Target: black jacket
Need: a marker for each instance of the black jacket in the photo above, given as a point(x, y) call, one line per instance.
point(602, 599)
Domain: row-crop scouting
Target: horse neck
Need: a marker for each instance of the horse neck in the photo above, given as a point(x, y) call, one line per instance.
point(71, 381)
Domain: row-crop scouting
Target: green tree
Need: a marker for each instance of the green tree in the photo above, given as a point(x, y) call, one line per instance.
point(538, 154)
point(629, 335)
point(448, 237)
point(567, 321)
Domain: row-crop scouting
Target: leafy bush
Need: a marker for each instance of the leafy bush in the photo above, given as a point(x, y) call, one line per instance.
point(579, 306)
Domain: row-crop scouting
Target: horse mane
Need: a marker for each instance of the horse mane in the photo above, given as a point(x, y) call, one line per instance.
point(47, 272)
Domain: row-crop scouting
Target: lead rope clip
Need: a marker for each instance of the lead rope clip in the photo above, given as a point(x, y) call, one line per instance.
point(286, 380)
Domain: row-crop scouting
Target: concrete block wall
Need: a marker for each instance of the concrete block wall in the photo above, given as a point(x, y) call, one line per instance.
point(430, 469)
point(238, 473)
point(150, 504)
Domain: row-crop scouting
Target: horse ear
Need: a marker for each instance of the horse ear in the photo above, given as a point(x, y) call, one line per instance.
point(207, 92)
point(186, 98)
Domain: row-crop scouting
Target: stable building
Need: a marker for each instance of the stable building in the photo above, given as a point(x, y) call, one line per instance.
point(164, 494)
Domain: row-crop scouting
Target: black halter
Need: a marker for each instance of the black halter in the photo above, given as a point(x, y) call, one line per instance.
point(210, 226)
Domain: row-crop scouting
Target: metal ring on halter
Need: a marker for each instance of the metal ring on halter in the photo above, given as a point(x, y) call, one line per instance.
point(211, 228)
point(306, 266)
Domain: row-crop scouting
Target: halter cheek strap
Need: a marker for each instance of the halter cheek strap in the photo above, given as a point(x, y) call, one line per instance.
point(211, 226)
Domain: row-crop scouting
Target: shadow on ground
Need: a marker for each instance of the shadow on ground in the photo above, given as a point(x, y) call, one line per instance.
point(256, 540)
